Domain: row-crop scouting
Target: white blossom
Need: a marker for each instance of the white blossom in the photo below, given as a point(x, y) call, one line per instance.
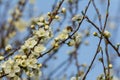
point(42, 33)
point(39, 48)
point(10, 67)
point(31, 62)
point(30, 43)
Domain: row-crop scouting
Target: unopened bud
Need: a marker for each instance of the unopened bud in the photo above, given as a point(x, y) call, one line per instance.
point(8, 47)
point(63, 10)
point(106, 34)
point(95, 34)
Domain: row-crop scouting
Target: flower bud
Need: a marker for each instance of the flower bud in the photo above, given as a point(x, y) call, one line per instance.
point(71, 43)
point(57, 17)
point(32, 26)
point(110, 66)
point(95, 34)
point(8, 47)
point(106, 34)
point(63, 10)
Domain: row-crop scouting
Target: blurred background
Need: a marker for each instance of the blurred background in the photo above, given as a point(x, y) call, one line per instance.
point(61, 64)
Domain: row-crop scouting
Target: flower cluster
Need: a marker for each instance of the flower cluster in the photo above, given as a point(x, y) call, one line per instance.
point(76, 39)
point(11, 68)
point(26, 59)
point(20, 63)
point(25, 62)
point(62, 36)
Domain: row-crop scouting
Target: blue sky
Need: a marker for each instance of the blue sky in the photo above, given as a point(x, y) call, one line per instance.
point(86, 52)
